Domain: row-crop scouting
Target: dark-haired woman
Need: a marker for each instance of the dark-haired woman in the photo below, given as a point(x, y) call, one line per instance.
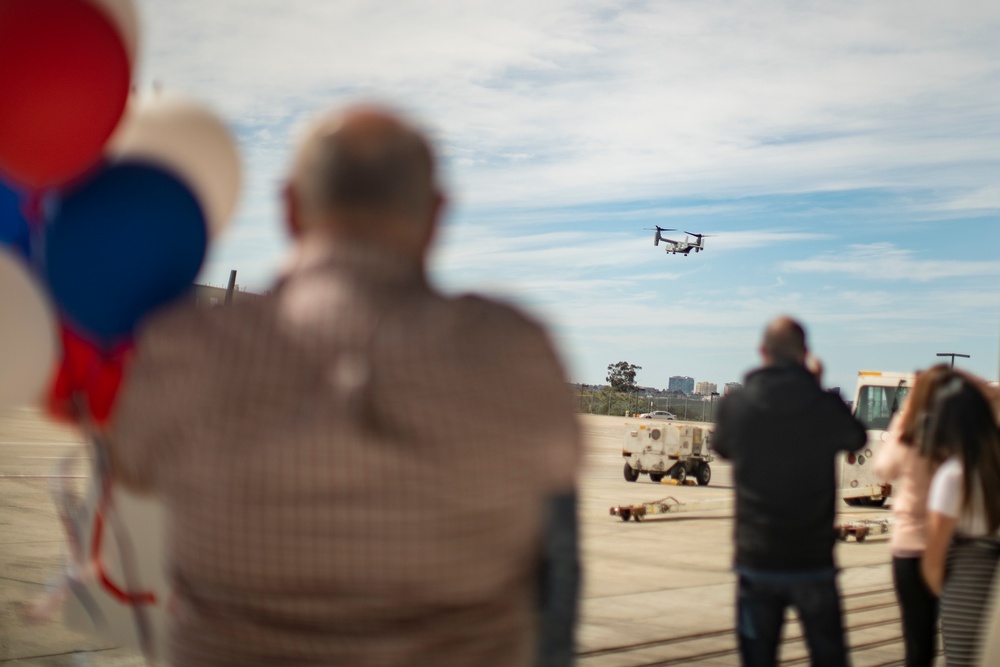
point(963, 525)
point(900, 461)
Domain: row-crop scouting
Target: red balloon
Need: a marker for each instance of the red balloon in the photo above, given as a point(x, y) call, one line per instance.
point(88, 378)
point(64, 81)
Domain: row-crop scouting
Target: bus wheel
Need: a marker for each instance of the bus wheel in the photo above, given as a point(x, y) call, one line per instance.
point(630, 473)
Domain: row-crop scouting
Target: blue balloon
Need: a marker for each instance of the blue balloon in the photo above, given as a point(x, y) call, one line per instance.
point(14, 229)
point(126, 242)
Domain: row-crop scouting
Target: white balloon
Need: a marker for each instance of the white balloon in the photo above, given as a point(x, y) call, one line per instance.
point(125, 17)
point(28, 337)
point(178, 134)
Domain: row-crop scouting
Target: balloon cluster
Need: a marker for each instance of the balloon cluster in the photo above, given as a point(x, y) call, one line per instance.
point(108, 201)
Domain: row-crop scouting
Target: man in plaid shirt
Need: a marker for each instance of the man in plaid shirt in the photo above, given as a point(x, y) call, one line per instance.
point(358, 470)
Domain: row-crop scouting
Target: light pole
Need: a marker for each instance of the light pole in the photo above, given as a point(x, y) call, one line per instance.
point(712, 411)
point(953, 355)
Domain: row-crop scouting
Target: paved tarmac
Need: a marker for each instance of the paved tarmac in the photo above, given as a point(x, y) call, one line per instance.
point(659, 592)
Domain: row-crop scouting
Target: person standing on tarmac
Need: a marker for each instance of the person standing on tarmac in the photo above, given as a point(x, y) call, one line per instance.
point(782, 432)
point(963, 515)
point(310, 522)
point(901, 461)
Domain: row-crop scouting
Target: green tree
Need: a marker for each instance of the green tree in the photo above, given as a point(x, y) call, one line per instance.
point(621, 376)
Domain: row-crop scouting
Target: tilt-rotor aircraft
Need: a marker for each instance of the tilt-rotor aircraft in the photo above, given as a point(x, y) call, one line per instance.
point(680, 247)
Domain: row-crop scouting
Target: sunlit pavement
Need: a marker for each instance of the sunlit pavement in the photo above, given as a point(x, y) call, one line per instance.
point(659, 592)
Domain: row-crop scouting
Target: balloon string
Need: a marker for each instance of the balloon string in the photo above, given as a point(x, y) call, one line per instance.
point(112, 358)
point(95, 555)
point(33, 211)
point(103, 507)
point(103, 470)
point(33, 208)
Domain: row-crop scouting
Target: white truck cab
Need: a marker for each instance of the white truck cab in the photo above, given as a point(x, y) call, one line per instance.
point(878, 397)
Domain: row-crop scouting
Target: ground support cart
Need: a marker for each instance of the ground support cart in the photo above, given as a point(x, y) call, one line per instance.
point(668, 505)
point(863, 528)
point(661, 449)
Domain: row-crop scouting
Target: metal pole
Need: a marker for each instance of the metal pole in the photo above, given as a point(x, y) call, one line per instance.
point(231, 287)
point(953, 355)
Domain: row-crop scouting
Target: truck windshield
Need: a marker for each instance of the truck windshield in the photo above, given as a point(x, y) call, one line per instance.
point(877, 405)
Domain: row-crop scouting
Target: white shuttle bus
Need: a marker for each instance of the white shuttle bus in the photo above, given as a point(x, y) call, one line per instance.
point(878, 397)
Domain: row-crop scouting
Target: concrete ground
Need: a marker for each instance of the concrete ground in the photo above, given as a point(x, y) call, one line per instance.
point(659, 592)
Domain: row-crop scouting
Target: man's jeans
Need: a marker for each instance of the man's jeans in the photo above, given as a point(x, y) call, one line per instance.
point(761, 602)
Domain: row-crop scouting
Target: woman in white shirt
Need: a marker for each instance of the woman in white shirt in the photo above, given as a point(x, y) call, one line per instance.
point(963, 521)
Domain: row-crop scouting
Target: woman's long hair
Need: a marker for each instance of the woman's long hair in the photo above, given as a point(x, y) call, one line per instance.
point(913, 419)
point(962, 423)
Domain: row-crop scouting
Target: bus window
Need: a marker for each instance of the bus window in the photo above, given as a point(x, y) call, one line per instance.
point(877, 405)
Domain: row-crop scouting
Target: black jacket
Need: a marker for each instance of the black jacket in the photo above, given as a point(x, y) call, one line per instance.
point(782, 432)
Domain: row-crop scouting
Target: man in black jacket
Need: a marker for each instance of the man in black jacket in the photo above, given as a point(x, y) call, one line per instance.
point(782, 432)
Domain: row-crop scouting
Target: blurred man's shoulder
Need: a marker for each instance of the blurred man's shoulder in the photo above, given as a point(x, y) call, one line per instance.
point(185, 318)
point(497, 333)
point(491, 314)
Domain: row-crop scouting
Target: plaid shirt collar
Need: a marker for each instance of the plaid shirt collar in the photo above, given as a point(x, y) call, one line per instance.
point(313, 254)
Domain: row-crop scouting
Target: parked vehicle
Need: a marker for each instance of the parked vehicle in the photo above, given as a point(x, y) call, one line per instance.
point(660, 448)
point(658, 414)
point(879, 395)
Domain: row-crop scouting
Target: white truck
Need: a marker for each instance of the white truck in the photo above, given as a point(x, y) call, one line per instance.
point(662, 448)
point(879, 395)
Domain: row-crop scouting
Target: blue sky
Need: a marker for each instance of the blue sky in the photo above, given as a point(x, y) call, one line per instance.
point(845, 154)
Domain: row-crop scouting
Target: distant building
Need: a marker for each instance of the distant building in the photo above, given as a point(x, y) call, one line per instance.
point(731, 386)
point(681, 383)
point(706, 388)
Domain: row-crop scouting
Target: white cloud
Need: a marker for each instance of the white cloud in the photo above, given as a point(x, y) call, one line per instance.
point(980, 199)
point(759, 238)
point(550, 116)
point(506, 253)
point(574, 102)
point(886, 262)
